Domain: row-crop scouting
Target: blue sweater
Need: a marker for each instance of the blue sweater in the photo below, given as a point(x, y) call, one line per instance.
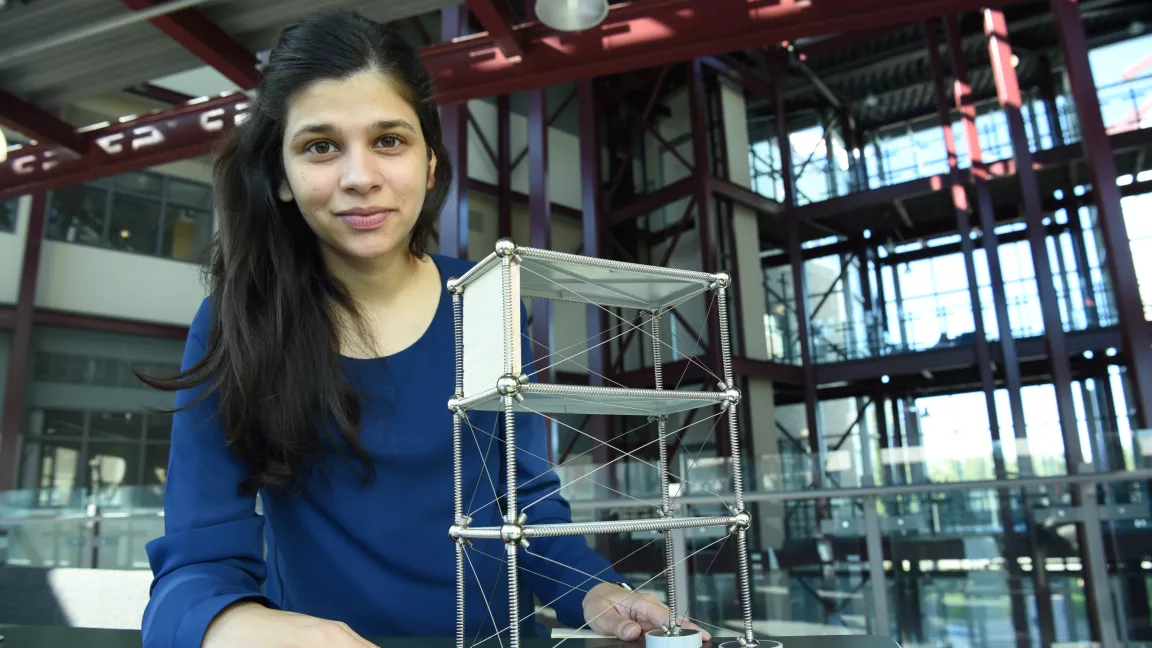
point(377, 557)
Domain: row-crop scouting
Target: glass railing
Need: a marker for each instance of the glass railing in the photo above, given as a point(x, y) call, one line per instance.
point(910, 151)
point(957, 556)
point(73, 528)
point(942, 320)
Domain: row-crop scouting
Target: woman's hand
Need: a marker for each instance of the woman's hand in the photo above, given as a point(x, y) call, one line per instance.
point(251, 625)
point(612, 610)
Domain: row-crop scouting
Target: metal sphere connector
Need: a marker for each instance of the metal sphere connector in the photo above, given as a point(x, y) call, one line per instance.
point(743, 520)
point(505, 247)
point(508, 385)
point(453, 285)
point(723, 280)
point(511, 533)
point(732, 395)
point(454, 404)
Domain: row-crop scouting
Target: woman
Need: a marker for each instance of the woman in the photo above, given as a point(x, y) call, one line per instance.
point(316, 376)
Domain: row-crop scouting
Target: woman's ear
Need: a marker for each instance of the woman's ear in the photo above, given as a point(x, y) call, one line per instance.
point(431, 170)
point(284, 192)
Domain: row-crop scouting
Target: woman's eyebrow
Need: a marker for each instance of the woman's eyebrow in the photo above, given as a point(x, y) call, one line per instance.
point(390, 124)
point(315, 129)
point(328, 129)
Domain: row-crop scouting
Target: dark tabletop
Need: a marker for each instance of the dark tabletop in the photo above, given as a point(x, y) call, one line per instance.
point(57, 637)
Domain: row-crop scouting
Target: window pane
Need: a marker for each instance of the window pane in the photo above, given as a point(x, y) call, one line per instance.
point(155, 474)
point(114, 464)
point(63, 423)
point(186, 233)
point(133, 224)
point(159, 426)
point(189, 194)
point(140, 183)
point(76, 215)
point(107, 372)
point(52, 465)
point(8, 215)
point(116, 425)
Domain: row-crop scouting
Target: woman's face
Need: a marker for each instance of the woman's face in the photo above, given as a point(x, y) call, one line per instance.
point(356, 164)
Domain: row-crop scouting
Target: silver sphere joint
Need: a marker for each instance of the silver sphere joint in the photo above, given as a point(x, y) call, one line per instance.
point(505, 247)
point(723, 280)
point(454, 404)
point(743, 520)
point(511, 533)
point(732, 395)
point(508, 385)
point(453, 285)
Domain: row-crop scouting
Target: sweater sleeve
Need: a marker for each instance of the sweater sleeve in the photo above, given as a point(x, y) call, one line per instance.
point(569, 567)
point(211, 553)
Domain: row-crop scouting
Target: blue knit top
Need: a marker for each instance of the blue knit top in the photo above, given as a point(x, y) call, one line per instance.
point(377, 557)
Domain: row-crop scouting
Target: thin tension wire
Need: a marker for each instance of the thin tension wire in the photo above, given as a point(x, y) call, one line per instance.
point(626, 322)
point(588, 474)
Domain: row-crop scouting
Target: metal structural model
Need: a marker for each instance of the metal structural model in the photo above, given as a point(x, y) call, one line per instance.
point(489, 377)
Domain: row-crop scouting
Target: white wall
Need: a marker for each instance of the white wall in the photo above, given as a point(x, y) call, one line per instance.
point(563, 155)
point(115, 284)
point(12, 253)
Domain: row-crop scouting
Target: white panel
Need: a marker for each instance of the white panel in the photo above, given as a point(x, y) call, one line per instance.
point(563, 156)
point(12, 253)
point(483, 325)
point(102, 282)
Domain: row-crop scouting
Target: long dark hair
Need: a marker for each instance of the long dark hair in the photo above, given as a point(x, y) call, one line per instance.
point(273, 351)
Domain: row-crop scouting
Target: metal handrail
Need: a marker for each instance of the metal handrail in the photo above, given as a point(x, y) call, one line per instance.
point(1142, 474)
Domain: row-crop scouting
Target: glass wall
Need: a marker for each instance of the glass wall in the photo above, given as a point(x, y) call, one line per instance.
point(140, 212)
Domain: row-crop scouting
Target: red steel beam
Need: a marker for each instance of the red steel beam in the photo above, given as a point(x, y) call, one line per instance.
point(204, 38)
point(1008, 93)
point(19, 115)
point(638, 35)
point(12, 414)
point(157, 138)
point(497, 18)
point(1095, 142)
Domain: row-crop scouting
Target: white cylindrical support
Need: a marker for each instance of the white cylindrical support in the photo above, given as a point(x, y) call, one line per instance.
point(684, 638)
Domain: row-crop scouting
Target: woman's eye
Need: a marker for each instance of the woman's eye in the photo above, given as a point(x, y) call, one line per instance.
point(390, 141)
point(321, 148)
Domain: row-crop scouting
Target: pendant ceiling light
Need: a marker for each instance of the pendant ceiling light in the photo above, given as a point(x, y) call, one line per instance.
point(571, 15)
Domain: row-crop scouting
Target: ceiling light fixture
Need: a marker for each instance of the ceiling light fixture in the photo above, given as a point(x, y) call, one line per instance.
point(571, 15)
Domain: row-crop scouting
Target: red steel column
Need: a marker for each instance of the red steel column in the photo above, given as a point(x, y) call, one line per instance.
point(964, 227)
point(1110, 214)
point(590, 205)
point(454, 117)
point(796, 259)
point(540, 225)
point(12, 417)
point(1011, 364)
point(1008, 92)
point(504, 165)
point(701, 175)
